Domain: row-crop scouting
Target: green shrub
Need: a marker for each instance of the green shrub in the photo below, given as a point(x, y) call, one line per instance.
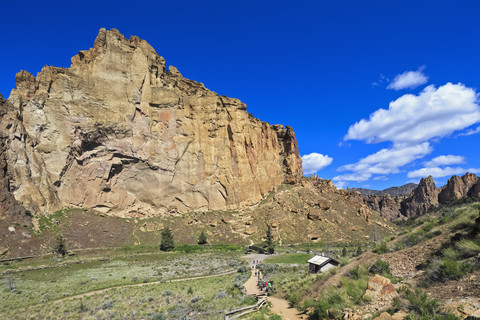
point(202, 238)
point(380, 267)
point(60, 246)
point(468, 248)
point(421, 304)
point(166, 243)
point(451, 269)
point(381, 248)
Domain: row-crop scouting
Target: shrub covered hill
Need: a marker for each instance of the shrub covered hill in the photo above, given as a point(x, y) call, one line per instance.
point(114, 148)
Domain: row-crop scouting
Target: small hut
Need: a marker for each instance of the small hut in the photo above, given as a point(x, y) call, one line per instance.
point(321, 264)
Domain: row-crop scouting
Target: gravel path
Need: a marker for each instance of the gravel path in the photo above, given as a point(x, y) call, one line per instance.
point(279, 306)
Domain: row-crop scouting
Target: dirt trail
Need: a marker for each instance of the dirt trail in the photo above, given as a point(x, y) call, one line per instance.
point(279, 306)
point(90, 293)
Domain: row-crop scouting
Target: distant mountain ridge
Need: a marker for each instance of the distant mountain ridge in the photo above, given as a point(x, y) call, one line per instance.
point(392, 191)
point(424, 197)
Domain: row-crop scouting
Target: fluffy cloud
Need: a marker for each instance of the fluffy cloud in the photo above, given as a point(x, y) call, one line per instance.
point(445, 161)
point(315, 161)
point(385, 161)
point(415, 119)
point(470, 132)
point(437, 172)
point(408, 79)
point(409, 124)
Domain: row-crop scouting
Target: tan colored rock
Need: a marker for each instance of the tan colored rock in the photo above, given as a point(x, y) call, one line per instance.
point(458, 188)
point(314, 214)
point(118, 133)
point(380, 288)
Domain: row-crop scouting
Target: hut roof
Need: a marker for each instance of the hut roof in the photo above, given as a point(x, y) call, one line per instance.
point(321, 260)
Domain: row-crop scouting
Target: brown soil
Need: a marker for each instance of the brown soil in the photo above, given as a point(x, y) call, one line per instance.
point(278, 305)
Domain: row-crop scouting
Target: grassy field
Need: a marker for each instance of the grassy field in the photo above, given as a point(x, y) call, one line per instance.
point(32, 290)
point(293, 258)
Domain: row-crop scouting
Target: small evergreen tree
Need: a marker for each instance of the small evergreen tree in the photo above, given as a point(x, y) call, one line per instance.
point(269, 241)
point(359, 250)
point(167, 240)
point(202, 238)
point(344, 252)
point(60, 246)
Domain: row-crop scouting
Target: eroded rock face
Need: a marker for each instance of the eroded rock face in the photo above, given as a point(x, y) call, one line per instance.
point(458, 188)
point(9, 207)
point(119, 133)
point(424, 197)
point(387, 206)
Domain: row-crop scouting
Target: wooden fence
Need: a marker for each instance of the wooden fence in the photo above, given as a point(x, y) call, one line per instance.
point(234, 314)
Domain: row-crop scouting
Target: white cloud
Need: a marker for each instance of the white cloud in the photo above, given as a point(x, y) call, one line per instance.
point(315, 161)
point(445, 160)
point(381, 178)
point(410, 123)
point(408, 79)
point(385, 161)
point(437, 172)
point(418, 118)
point(470, 132)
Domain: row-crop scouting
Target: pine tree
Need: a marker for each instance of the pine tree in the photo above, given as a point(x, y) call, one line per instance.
point(269, 241)
point(60, 246)
point(359, 250)
point(167, 240)
point(202, 238)
point(344, 252)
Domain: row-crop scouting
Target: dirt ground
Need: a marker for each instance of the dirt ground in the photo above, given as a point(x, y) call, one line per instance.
point(278, 305)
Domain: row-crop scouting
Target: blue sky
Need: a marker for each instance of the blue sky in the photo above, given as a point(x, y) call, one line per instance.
point(318, 66)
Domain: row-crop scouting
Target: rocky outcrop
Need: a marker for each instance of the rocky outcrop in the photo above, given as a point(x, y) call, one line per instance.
point(423, 198)
point(458, 188)
point(380, 288)
point(121, 133)
point(387, 206)
point(9, 207)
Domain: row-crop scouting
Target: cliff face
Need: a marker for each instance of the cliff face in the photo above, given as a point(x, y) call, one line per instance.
point(9, 207)
point(425, 196)
point(119, 133)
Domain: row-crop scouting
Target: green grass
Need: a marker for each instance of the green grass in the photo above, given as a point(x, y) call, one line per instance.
point(292, 258)
point(76, 276)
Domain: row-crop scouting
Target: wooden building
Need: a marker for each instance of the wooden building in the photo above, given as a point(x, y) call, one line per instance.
point(321, 264)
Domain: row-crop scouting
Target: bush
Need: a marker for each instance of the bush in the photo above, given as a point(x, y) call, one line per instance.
point(468, 248)
point(167, 240)
point(202, 238)
point(380, 267)
point(452, 269)
point(158, 316)
point(381, 248)
point(421, 304)
point(60, 246)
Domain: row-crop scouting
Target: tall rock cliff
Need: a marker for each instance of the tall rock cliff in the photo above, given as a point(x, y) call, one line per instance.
point(120, 133)
point(9, 207)
point(424, 197)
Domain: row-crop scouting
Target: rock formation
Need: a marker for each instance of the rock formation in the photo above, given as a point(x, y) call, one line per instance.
point(458, 188)
point(9, 207)
point(387, 206)
point(424, 197)
point(120, 133)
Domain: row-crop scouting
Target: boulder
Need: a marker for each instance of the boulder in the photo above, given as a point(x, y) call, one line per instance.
point(380, 288)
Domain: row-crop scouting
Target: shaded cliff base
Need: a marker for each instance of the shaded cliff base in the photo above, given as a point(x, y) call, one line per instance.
point(312, 211)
